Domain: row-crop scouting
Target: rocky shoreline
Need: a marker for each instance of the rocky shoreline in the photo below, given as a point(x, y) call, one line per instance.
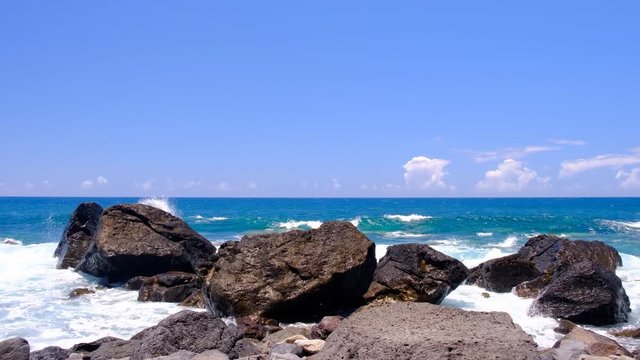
point(361, 308)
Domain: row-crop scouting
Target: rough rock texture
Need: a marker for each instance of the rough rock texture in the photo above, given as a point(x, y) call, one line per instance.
point(173, 286)
point(297, 275)
point(415, 272)
point(540, 256)
point(137, 239)
point(630, 333)
point(247, 347)
point(14, 349)
point(78, 235)
point(408, 330)
point(583, 342)
point(585, 293)
point(256, 327)
point(50, 353)
point(80, 292)
point(286, 333)
point(325, 327)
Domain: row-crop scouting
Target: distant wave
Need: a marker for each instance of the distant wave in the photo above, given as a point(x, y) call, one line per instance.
point(509, 242)
point(635, 225)
point(402, 234)
point(292, 224)
point(484, 234)
point(622, 225)
point(161, 203)
point(408, 218)
point(11, 241)
point(205, 220)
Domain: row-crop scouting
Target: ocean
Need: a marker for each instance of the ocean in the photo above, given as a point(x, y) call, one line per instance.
point(34, 300)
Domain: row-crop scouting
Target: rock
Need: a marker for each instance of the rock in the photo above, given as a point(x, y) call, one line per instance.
point(541, 256)
point(310, 347)
point(630, 333)
point(415, 272)
point(286, 348)
point(585, 293)
point(186, 330)
point(286, 333)
point(78, 235)
point(583, 342)
point(531, 289)
point(325, 327)
point(211, 355)
point(486, 295)
point(173, 286)
point(79, 292)
point(257, 327)
point(564, 326)
point(14, 349)
point(294, 338)
point(108, 348)
point(50, 353)
point(248, 347)
point(297, 275)
point(283, 357)
point(408, 330)
point(140, 240)
point(194, 300)
point(179, 355)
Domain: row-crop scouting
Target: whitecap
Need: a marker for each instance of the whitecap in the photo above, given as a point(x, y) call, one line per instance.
point(356, 221)
point(408, 218)
point(292, 224)
point(403, 234)
point(484, 234)
point(161, 203)
point(205, 220)
point(509, 242)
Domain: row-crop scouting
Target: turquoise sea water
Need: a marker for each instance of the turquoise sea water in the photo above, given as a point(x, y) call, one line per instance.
point(34, 300)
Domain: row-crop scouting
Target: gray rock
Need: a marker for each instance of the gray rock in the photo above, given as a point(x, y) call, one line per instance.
point(14, 349)
point(211, 355)
point(50, 353)
point(325, 327)
point(408, 330)
point(286, 348)
point(297, 275)
point(247, 347)
point(78, 235)
point(583, 342)
point(179, 355)
point(287, 332)
point(283, 357)
point(173, 286)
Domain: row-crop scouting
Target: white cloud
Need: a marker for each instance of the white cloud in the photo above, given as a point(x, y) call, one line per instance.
point(510, 176)
point(223, 186)
point(336, 185)
point(252, 185)
point(101, 180)
point(28, 185)
point(87, 184)
point(425, 173)
point(572, 167)
point(630, 180)
point(510, 153)
point(572, 142)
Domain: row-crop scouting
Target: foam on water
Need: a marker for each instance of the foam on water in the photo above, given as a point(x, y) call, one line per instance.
point(34, 302)
point(292, 224)
point(356, 221)
point(161, 203)
point(206, 220)
point(509, 242)
point(408, 218)
point(403, 234)
point(11, 241)
point(484, 234)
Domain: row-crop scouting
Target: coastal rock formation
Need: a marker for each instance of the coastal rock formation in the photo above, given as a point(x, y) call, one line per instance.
point(14, 349)
point(256, 327)
point(136, 239)
point(325, 327)
point(173, 286)
point(294, 275)
point(78, 235)
point(415, 272)
point(580, 342)
point(408, 330)
point(585, 293)
point(50, 353)
point(540, 257)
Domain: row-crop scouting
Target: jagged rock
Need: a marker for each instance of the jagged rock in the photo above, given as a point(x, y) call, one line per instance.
point(248, 347)
point(173, 286)
point(79, 292)
point(78, 235)
point(409, 330)
point(286, 333)
point(257, 327)
point(415, 272)
point(14, 349)
point(291, 276)
point(585, 293)
point(50, 353)
point(583, 342)
point(140, 240)
point(325, 327)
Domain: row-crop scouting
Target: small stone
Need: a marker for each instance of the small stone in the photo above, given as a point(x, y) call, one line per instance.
point(285, 348)
point(632, 333)
point(564, 326)
point(325, 327)
point(294, 338)
point(79, 292)
point(486, 295)
point(310, 346)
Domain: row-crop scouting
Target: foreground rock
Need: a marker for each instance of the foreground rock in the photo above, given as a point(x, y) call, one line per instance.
point(406, 330)
point(140, 240)
point(294, 275)
point(539, 258)
point(78, 235)
point(174, 286)
point(14, 349)
point(580, 342)
point(415, 272)
point(584, 293)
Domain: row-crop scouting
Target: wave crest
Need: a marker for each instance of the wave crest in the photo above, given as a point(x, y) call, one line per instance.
point(161, 203)
point(408, 218)
point(292, 224)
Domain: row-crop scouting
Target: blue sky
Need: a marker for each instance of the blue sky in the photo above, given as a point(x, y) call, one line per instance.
point(325, 98)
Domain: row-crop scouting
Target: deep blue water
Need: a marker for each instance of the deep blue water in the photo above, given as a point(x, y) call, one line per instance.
point(467, 221)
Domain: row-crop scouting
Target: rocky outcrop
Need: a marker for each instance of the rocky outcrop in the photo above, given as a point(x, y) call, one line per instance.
point(580, 342)
point(78, 235)
point(325, 327)
point(256, 327)
point(539, 258)
point(50, 353)
point(294, 275)
point(14, 349)
point(173, 286)
point(140, 240)
point(584, 293)
point(415, 272)
point(407, 330)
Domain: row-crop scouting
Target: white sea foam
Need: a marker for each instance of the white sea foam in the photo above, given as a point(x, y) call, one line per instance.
point(292, 224)
point(509, 242)
point(205, 220)
point(161, 203)
point(403, 234)
point(408, 218)
point(356, 221)
point(34, 302)
point(11, 241)
point(484, 234)
point(616, 225)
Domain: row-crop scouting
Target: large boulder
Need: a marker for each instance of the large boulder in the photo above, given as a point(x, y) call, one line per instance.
point(294, 275)
point(78, 235)
point(415, 272)
point(137, 239)
point(14, 349)
point(584, 293)
point(538, 259)
point(50, 353)
point(408, 330)
point(174, 286)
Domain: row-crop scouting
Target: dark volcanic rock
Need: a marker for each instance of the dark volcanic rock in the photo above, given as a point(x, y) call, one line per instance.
point(173, 286)
point(583, 342)
point(78, 235)
point(256, 327)
point(137, 239)
point(415, 272)
point(294, 275)
point(50, 353)
point(325, 327)
point(14, 349)
point(585, 293)
point(538, 259)
point(408, 330)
